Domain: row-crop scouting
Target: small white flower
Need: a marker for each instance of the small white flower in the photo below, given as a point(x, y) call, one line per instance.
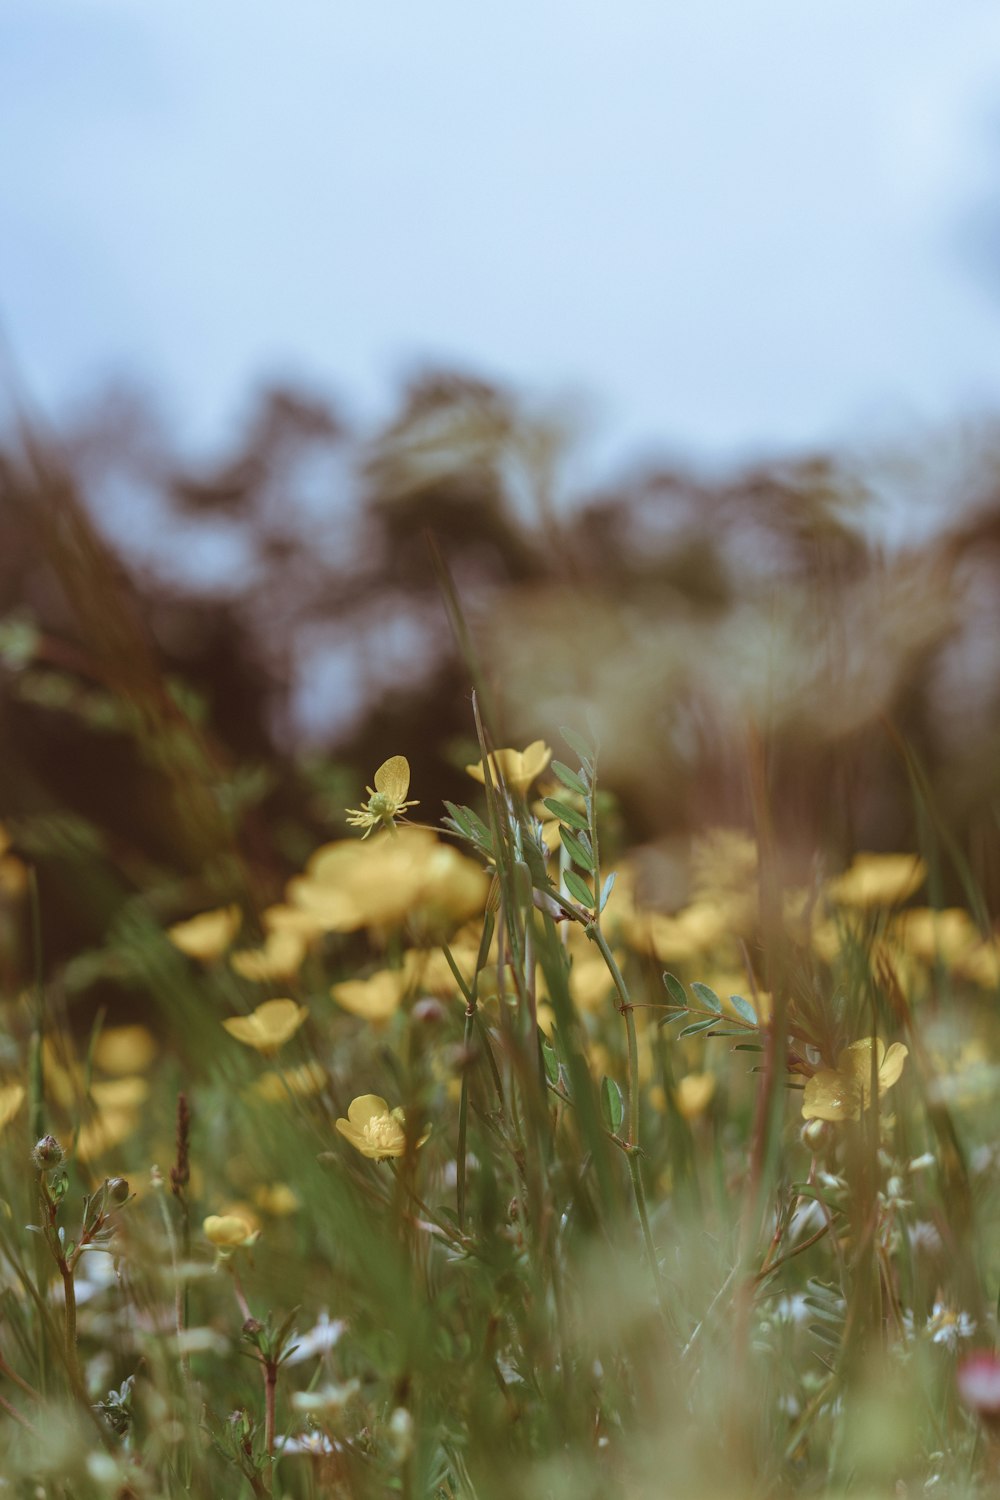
point(319, 1340)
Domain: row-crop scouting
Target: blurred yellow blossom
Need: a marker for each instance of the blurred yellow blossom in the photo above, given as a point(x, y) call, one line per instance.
point(119, 1093)
point(206, 936)
point(694, 1093)
point(517, 768)
point(982, 965)
point(277, 1199)
point(386, 799)
point(841, 1093)
point(229, 1231)
point(933, 935)
point(104, 1132)
point(269, 1026)
point(878, 880)
point(302, 1083)
point(374, 1129)
point(280, 957)
point(124, 1049)
point(375, 999)
point(11, 1099)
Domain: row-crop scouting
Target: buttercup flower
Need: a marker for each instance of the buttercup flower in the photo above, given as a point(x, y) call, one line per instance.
point(124, 1049)
point(841, 1093)
point(269, 1026)
point(206, 936)
point(878, 880)
point(280, 957)
point(302, 1083)
point(229, 1231)
point(375, 999)
point(374, 1129)
point(694, 1094)
point(386, 799)
point(517, 768)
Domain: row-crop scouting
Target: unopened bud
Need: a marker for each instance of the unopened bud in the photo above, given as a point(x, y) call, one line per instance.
point(117, 1190)
point(47, 1153)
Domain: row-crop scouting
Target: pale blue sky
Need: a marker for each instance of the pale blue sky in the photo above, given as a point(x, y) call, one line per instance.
point(733, 224)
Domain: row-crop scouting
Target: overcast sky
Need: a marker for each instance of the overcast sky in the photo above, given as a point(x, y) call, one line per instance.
point(733, 224)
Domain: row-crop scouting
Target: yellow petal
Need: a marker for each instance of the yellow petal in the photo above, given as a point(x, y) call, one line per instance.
point(206, 936)
point(878, 880)
point(892, 1066)
point(831, 1095)
point(393, 778)
point(376, 999)
point(269, 1026)
point(228, 1230)
point(366, 1107)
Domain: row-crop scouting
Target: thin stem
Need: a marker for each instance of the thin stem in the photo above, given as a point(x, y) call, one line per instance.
point(17, 1416)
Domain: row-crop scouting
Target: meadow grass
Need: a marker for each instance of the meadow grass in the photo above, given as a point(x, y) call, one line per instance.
point(465, 1170)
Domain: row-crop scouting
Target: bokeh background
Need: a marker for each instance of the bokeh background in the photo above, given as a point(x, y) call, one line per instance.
point(668, 333)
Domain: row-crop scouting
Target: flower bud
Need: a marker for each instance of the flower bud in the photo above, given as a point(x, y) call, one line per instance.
point(117, 1190)
point(47, 1153)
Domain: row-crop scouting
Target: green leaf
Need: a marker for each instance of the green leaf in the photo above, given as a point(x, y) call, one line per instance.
point(675, 989)
point(748, 1047)
point(578, 851)
point(570, 778)
point(578, 743)
point(579, 889)
point(696, 1026)
point(566, 814)
point(606, 890)
point(551, 1062)
point(707, 996)
point(743, 1009)
point(612, 1105)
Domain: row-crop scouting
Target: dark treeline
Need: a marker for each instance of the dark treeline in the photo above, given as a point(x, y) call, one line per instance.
point(200, 668)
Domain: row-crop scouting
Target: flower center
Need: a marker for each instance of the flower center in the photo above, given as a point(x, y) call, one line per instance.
point(383, 1131)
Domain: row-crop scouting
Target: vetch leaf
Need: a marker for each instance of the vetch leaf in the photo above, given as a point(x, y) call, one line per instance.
point(606, 890)
point(612, 1105)
point(696, 1026)
point(579, 889)
point(578, 852)
point(570, 778)
point(743, 1009)
point(707, 996)
point(675, 989)
point(551, 1062)
point(566, 814)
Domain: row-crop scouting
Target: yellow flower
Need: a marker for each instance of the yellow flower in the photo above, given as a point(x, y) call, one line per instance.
point(374, 1129)
point(386, 799)
point(516, 768)
point(269, 1026)
point(694, 1094)
point(375, 999)
point(277, 1199)
point(124, 1049)
point(229, 1231)
point(841, 1093)
point(878, 880)
point(280, 957)
point(104, 1132)
point(206, 936)
point(11, 1099)
point(933, 934)
point(302, 1083)
point(119, 1093)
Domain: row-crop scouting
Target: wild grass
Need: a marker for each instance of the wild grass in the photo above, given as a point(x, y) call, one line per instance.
point(466, 1171)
